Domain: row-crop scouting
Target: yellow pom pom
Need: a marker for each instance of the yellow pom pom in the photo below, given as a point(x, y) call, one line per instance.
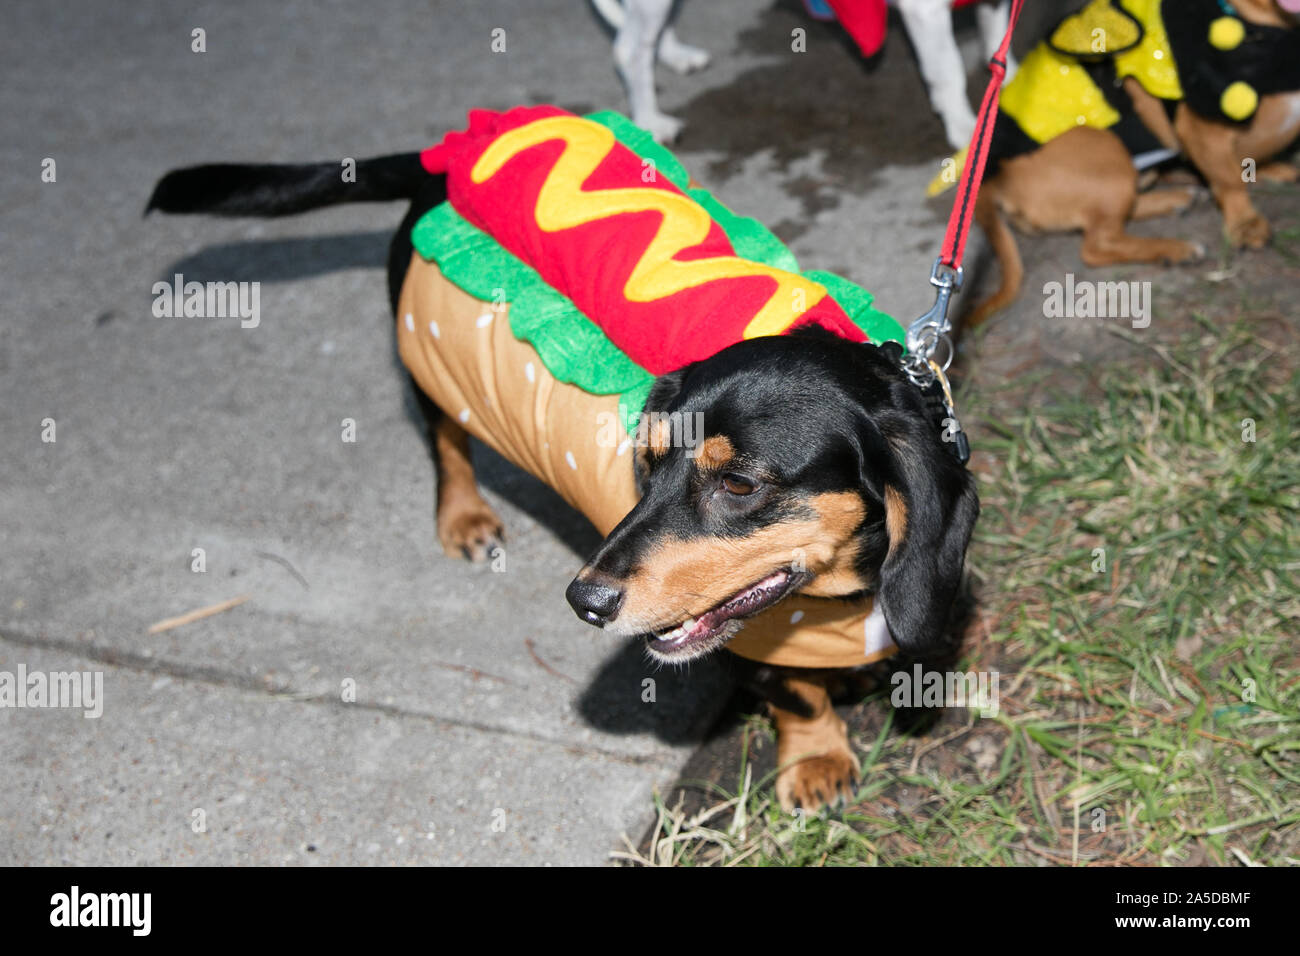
point(1239, 101)
point(1226, 33)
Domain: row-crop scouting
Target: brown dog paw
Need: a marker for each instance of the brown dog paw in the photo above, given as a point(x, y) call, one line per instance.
point(1251, 232)
point(1185, 252)
point(817, 763)
point(474, 533)
point(818, 781)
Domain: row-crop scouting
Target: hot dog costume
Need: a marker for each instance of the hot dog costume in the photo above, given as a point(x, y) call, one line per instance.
point(553, 221)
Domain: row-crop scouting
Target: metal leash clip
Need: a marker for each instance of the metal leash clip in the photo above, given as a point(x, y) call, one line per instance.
point(925, 334)
point(923, 339)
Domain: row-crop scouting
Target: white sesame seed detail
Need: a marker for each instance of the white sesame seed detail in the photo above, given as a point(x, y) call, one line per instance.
point(484, 320)
point(796, 617)
point(464, 415)
point(624, 445)
point(410, 322)
point(437, 332)
point(530, 373)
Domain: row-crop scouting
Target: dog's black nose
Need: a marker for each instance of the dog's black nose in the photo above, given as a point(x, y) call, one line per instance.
point(594, 602)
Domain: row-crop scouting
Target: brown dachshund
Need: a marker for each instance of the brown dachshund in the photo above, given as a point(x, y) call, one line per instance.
point(820, 480)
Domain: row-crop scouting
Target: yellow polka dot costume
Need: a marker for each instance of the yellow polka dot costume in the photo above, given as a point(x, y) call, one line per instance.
point(1198, 52)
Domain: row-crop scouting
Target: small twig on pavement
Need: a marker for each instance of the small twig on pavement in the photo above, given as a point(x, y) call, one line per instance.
point(197, 615)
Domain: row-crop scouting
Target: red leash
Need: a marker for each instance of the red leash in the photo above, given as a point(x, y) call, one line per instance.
point(925, 334)
point(963, 209)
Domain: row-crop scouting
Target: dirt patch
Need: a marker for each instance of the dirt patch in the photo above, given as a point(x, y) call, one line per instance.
point(827, 99)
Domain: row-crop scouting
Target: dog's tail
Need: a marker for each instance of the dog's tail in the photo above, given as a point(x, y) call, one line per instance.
point(1007, 252)
point(228, 189)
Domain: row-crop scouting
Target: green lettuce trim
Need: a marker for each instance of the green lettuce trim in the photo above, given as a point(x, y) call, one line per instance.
point(573, 348)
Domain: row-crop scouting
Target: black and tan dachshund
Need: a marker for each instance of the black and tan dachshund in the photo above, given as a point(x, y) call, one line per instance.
point(815, 445)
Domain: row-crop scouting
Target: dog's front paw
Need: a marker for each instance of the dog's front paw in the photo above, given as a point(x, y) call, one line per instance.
point(818, 780)
point(1249, 232)
point(473, 532)
point(664, 128)
point(1183, 252)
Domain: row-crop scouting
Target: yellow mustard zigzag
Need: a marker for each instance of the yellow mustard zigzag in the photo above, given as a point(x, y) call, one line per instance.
point(562, 203)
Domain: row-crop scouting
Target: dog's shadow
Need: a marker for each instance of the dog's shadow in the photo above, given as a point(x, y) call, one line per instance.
point(629, 694)
point(284, 260)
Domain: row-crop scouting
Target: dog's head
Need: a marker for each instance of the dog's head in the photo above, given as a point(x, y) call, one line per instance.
point(791, 464)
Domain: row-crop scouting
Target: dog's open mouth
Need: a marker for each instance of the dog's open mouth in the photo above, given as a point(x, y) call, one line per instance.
point(707, 632)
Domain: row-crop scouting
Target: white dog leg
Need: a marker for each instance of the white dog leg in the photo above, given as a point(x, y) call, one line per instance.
point(992, 19)
point(929, 24)
point(634, 53)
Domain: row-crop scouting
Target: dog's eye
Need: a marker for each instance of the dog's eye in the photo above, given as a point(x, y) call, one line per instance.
point(738, 484)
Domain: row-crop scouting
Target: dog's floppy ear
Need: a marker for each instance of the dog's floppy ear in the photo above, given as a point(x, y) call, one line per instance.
point(930, 507)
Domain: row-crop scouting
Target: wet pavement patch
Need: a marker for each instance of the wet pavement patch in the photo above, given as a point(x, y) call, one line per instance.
point(862, 114)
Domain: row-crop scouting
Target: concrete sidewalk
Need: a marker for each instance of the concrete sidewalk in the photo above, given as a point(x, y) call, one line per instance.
point(488, 725)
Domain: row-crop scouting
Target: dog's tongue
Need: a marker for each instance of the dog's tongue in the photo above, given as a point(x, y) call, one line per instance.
point(1290, 6)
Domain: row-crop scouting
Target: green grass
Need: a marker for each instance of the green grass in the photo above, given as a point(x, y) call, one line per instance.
point(1150, 712)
